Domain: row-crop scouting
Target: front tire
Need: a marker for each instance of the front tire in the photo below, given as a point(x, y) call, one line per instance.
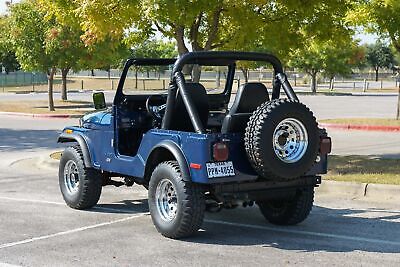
point(288, 211)
point(80, 186)
point(176, 206)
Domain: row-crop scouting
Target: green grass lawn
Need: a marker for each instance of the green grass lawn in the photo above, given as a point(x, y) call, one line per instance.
point(363, 169)
point(364, 121)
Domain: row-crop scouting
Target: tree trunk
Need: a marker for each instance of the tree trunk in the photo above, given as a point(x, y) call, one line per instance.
point(218, 79)
point(245, 74)
point(182, 49)
point(331, 83)
point(50, 82)
point(376, 74)
point(196, 73)
point(136, 81)
point(64, 73)
point(92, 72)
point(180, 40)
point(313, 82)
point(398, 105)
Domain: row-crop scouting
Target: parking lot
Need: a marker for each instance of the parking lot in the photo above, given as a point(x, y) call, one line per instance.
point(38, 229)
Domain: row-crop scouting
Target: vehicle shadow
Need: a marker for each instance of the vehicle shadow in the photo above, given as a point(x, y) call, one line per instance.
point(330, 230)
point(326, 229)
point(123, 206)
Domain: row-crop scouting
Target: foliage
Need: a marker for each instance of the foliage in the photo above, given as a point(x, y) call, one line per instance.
point(154, 49)
point(381, 16)
point(30, 32)
point(275, 26)
point(8, 59)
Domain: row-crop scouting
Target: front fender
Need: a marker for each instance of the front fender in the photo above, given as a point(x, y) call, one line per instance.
point(74, 137)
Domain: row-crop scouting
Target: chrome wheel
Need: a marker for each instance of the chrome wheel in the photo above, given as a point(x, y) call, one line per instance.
point(71, 177)
point(166, 200)
point(290, 140)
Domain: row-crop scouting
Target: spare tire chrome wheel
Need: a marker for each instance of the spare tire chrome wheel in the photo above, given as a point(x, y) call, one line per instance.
point(290, 140)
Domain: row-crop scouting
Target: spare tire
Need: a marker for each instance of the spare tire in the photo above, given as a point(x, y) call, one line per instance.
point(282, 139)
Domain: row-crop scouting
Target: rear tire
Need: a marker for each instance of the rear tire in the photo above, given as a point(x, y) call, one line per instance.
point(176, 206)
point(80, 186)
point(288, 211)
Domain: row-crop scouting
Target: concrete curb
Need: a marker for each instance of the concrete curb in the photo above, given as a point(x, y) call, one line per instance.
point(380, 128)
point(378, 192)
point(49, 116)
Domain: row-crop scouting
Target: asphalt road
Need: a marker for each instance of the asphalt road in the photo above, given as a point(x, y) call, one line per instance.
point(324, 107)
point(38, 229)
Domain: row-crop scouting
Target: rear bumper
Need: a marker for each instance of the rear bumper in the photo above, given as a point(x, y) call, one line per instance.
point(261, 190)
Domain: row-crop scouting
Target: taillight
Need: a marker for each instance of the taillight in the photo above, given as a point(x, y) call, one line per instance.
point(220, 151)
point(325, 146)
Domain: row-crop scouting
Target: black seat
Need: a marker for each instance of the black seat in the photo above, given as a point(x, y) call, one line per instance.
point(249, 96)
point(180, 117)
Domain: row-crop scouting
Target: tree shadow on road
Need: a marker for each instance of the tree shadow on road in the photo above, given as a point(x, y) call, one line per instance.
point(13, 140)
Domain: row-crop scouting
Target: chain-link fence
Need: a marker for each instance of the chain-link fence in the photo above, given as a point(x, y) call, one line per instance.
point(213, 80)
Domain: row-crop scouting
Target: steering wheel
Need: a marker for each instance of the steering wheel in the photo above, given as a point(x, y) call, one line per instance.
point(155, 106)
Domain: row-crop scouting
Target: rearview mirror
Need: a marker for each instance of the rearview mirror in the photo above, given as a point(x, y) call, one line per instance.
point(99, 100)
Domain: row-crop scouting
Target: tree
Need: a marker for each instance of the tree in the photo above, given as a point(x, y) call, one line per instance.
point(76, 54)
point(379, 56)
point(329, 58)
point(381, 16)
point(30, 33)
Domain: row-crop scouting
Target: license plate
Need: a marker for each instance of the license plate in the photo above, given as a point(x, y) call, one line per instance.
point(220, 169)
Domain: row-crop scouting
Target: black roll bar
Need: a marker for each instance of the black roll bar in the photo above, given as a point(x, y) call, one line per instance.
point(218, 57)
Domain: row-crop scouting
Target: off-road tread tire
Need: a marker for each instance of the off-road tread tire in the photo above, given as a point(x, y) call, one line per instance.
point(254, 132)
point(191, 210)
point(90, 182)
point(297, 209)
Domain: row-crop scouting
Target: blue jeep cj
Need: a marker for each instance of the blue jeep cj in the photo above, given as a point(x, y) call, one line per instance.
point(194, 151)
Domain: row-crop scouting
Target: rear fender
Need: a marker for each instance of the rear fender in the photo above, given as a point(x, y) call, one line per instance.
point(164, 151)
point(74, 137)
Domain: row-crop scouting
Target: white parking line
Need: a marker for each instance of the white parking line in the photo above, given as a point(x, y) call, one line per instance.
point(32, 200)
point(99, 208)
point(2, 264)
point(301, 232)
point(80, 229)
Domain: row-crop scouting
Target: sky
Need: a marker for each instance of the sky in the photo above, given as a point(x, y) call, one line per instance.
point(364, 38)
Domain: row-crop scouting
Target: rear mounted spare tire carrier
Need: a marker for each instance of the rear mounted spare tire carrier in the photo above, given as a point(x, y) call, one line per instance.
point(282, 139)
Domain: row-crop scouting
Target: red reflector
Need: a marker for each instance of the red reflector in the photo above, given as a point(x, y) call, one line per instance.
point(195, 166)
point(325, 145)
point(220, 151)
